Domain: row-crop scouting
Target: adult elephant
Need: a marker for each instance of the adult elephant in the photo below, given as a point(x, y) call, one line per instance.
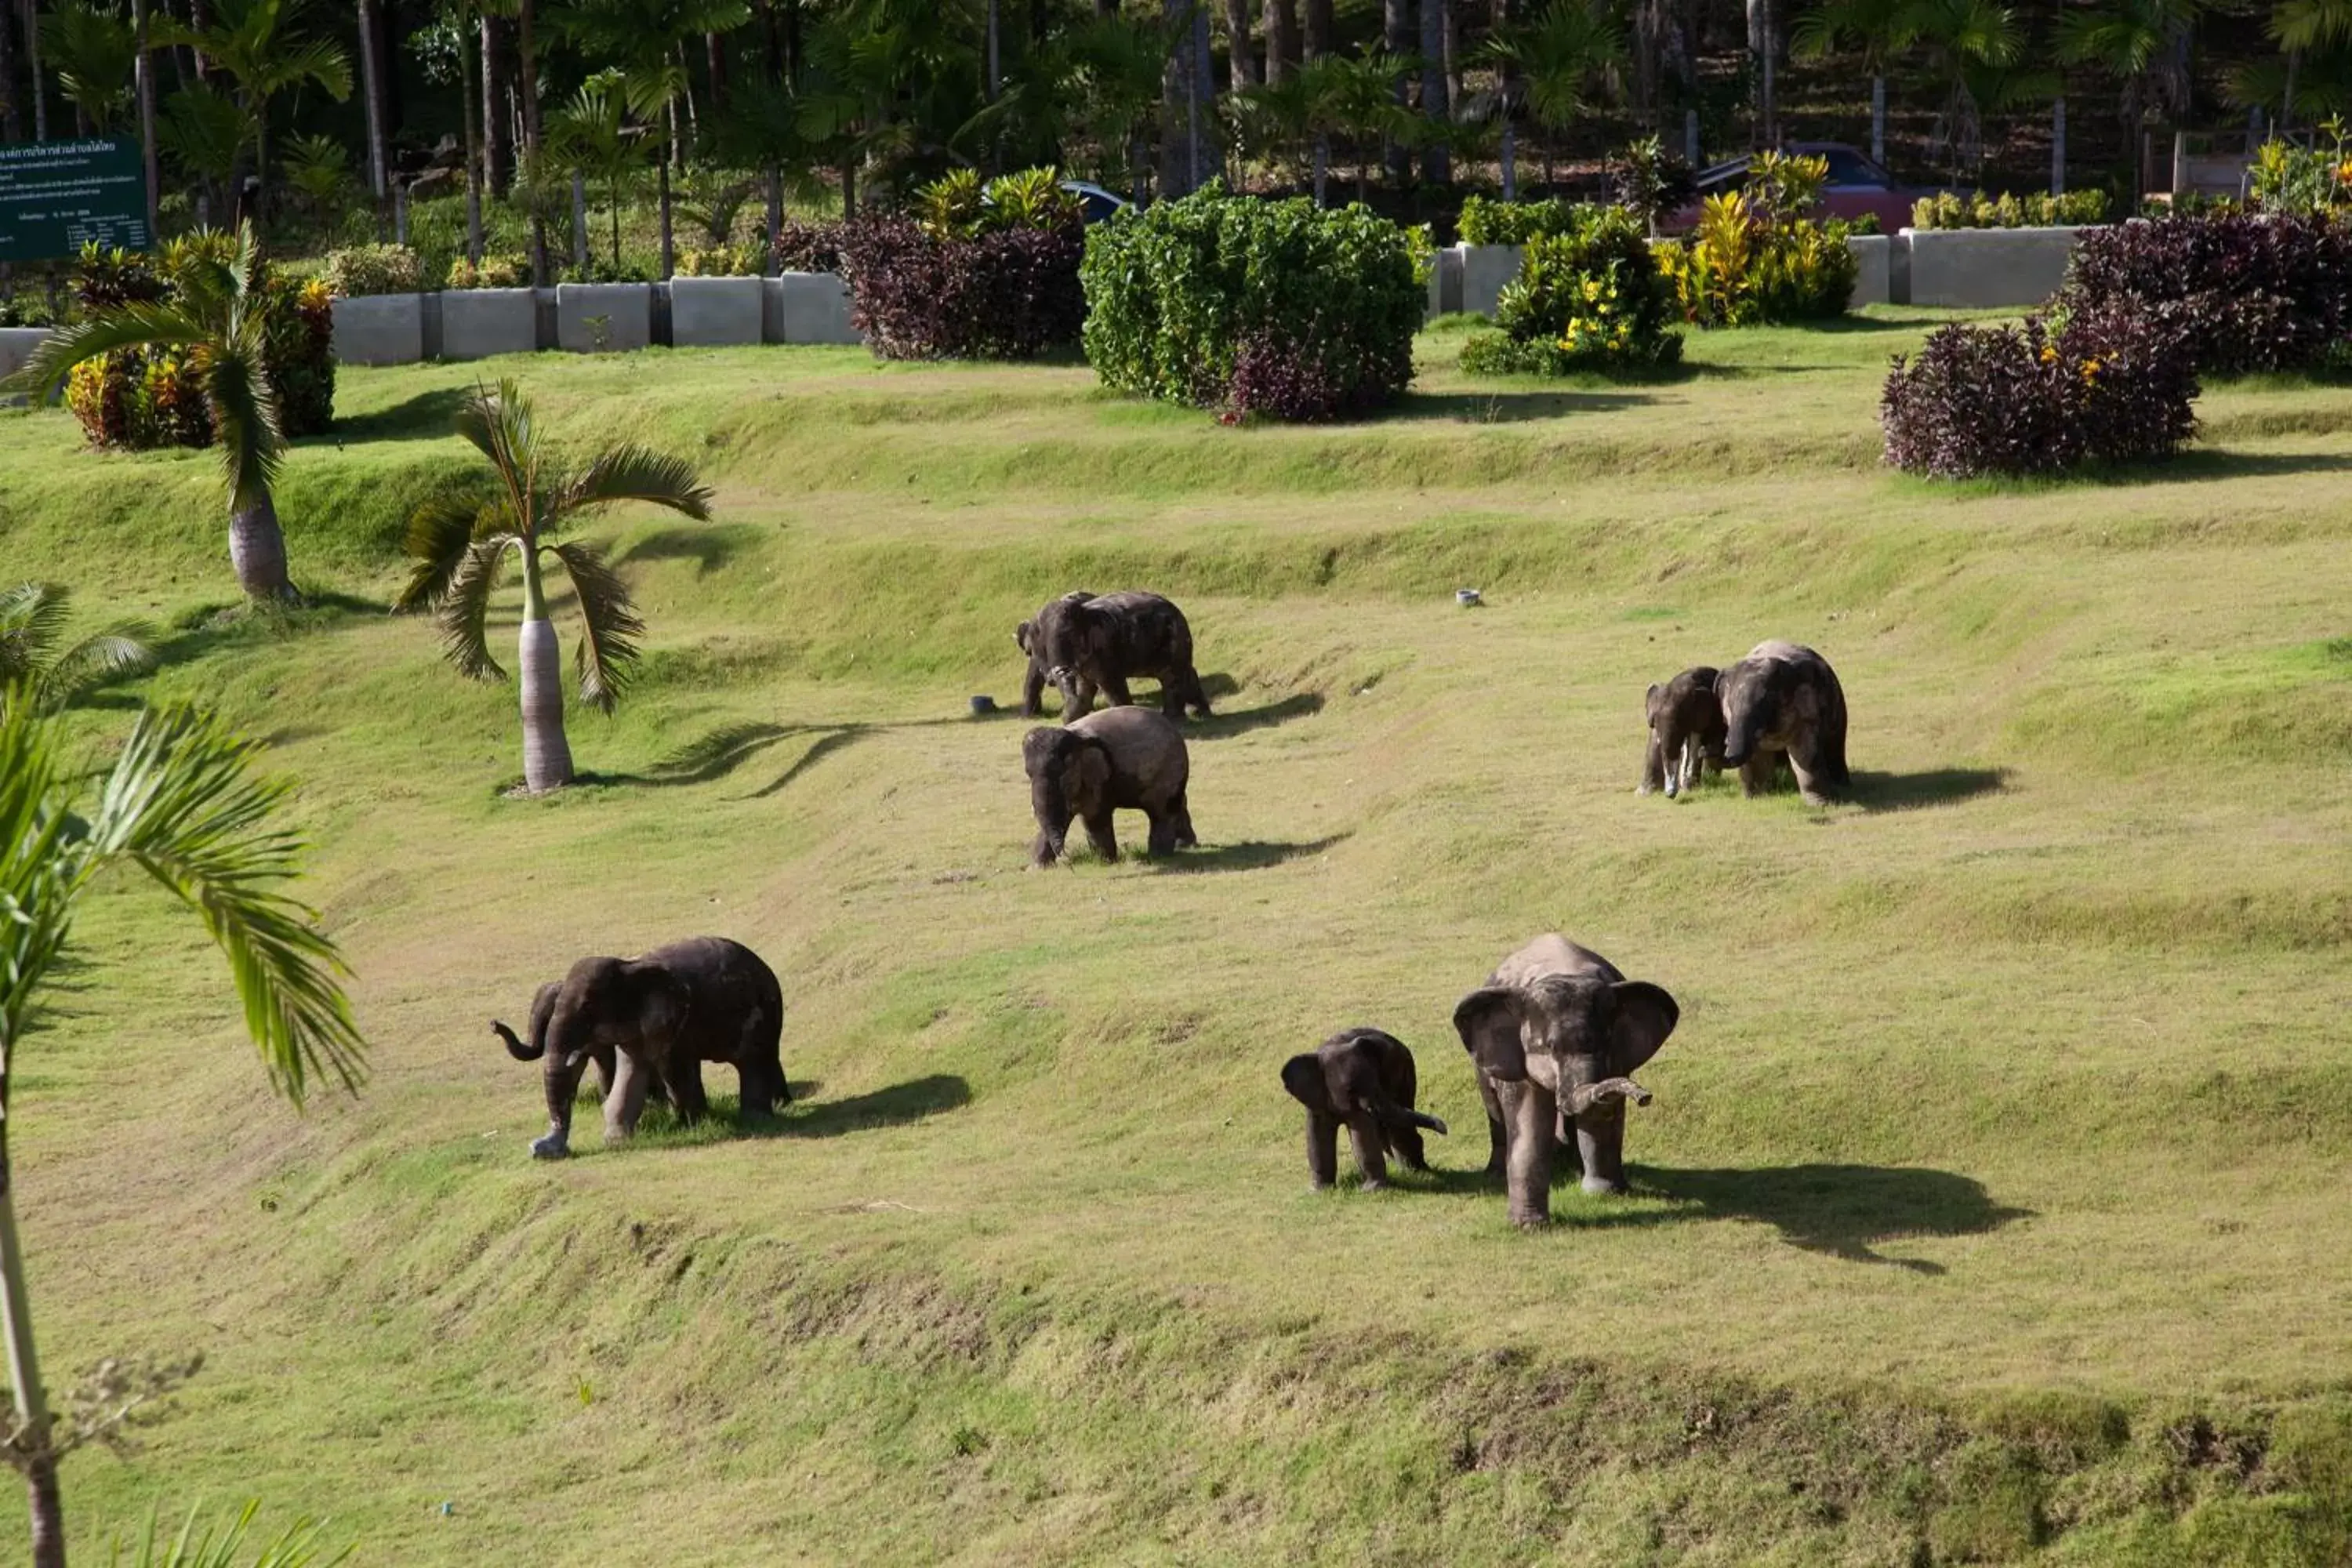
point(1121, 758)
point(1555, 1032)
point(1784, 701)
point(662, 1015)
point(1084, 644)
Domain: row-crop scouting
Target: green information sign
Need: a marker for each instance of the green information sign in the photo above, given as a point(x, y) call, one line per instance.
point(56, 197)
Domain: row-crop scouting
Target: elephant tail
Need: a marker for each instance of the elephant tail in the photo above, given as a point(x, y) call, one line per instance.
point(1402, 1116)
point(515, 1047)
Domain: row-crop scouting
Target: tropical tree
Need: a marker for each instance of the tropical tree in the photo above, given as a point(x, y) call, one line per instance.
point(1116, 67)
point(35, 658)
point(262, 46)
point(93, 50)
point(1964, 39)
point(460, 548)
point(1554, 62)
point(180, 804)
point(206, 132)
point(2138, 43)
point(596, 135)
point(1880, 31)
point(217, 318)
point(2303, 28)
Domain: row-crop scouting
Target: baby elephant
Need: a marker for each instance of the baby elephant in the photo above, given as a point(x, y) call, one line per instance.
point(1685, 732)
point(1129, 757)
point(1085, 643)
point(1783, 700)
point(1363, 1078)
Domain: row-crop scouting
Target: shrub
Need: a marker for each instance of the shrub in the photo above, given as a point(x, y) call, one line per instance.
point(723, 261)
point(1325, 301)
point(1745, 267)
point(2109, 386)
point(2250, 293)
point(1650, 181)
point(373, 269)
point(493, 272)
point(1946, 210)
point(1516, 223)
point(1012, 294)
point(1589, 300)
point(2303, 180)
point(808, 248)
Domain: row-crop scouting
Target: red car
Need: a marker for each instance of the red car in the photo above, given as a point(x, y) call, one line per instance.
point(1856, 186)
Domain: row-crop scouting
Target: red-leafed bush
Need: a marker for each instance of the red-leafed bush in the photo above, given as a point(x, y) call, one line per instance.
point(1010, 294)
point(2254, 291)
point(2102, 387)
point(1277, 376)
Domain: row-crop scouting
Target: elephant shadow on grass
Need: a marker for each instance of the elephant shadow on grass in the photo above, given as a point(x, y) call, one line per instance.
point(1841, 1211)
point(1935, 786)
point(1249, 855)
point(1241, 721)
point(809, 1116)
point(708, 545)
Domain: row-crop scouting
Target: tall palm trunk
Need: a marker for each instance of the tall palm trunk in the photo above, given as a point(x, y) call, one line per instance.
point(527, 80)
point(12, 124)
point(42, 1499)
point(1281, 40)
point(580, 222)
point(669, 239)
point(474, 172)
point(1437, 163)
point(1322, 169)
point(372, 92)
point(494, 143)
point(256, 548)
point(546, 755)
point(1317, 38)
point(1242, 59)
point(1510, 154)
point(260, 161)
point(1878, 120)
point(2286, 99)
point(2058, 145)
point(143, 79)
point(33, 60)
point(1396, 33)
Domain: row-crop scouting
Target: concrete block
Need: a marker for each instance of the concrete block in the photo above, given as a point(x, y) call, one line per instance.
point(713, 313)
point(1987, 268)
point(379, 329)
point(1873, 277)
point(16, 346)
point(807, 307)
point(596, 318)
point(1485, 269)
point(476, 323)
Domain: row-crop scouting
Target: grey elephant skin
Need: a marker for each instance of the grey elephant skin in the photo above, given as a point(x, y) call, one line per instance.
point(1121, 759)
point(1685, 732)
point(649, 1023)
point(1784, 701)
point(1361, 1078)
point(1556, 1033)
point(1084, 644)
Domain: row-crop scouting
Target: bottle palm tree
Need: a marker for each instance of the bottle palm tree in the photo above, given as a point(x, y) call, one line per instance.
point(259, 44)
point(460, 550)
point(2138, 42)
point(1878, 30)
point(34, 657)
point(180, 804)
point(217, 317)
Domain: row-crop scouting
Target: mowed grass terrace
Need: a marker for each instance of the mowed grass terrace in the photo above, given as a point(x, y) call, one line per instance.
point(1994, 1202)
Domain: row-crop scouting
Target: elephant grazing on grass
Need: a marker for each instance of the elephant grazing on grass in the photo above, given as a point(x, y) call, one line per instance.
point(662, 1015)
point(1129, 757)
point(1364, 1078)
point(1555, 1033)
point(1784, 701)
point(1085, 643)
point(1685, 732)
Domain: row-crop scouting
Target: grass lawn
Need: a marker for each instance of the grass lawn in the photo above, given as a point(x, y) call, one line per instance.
point(1994, 1202)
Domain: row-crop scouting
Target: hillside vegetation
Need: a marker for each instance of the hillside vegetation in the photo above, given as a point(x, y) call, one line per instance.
point(1993, 1206)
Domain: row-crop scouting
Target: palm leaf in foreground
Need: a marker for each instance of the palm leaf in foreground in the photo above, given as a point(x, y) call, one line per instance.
point(221, 1545)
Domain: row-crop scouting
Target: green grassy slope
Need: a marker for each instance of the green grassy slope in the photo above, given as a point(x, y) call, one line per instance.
point(1993, 1204)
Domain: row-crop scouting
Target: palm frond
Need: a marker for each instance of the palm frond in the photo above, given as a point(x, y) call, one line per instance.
point(245, 414)
point(439, 533)
point(607, 651)
point(498, 422)
point(36, 894)
point(181, 803)
point(122, 326)
point(116, 653)
point(31, 619)
point(320, 61)
point(223, 1545)
point(629, 473)
point(464, 608)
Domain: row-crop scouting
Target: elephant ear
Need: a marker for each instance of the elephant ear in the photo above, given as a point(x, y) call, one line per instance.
point(1647, 1014)
point(1649, 703)
point(1089, 774)
point(663, 1002)
point(1303, 1077)
point(1020, 635)
point(1488, 1022)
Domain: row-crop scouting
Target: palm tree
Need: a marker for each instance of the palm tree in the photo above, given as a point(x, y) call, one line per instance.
point(94, 52)
point(32, 617)
point(1556, 57)
point(1879, 30)
point(1964, 39)
point(461, 547)
point(180, 804)
point(216, 316)
point(595, 136)
point(1116, 63)
point(2138, 42)
point(259, 44)
point(206, 132)
point(2301, 27)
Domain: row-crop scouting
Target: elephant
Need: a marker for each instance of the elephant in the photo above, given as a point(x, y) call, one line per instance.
point(1783, 700)
point(1127, 757)
point(1363, 1078)
point(1556, 1033)
point(1685, 732)
point(1032, 681)
point(1086, 643)
point(662, 1015)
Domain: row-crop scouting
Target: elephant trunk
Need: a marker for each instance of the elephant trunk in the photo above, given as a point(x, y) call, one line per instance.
point(1584, 1096)
point(1405, 1116)
point(1052, 808)
point(515, 1047)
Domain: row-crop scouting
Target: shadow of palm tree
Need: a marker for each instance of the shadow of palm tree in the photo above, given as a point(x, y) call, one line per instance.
point(1840, 1211)
point(210, 627)
point(427, 417)
point(708, 546)
point(1250, 855)
point(895, 1106)
point(1935, 786)
point(1240, 720)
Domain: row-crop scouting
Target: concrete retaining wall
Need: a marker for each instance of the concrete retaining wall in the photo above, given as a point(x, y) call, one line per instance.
point(476, 323)
point(806, 307)
point(604, 317)
point(1986, 268)
point(1873, 274)
point(379, 329)
point(16, 346)
point(1485, 269)
point(716, 312)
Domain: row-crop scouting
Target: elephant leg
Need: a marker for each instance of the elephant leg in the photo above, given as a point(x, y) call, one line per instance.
point(1653, 767)
point(1196, 693)
point(1814, 781)
point(1533, 1116)
point(562, 1085)
point(1600, 1147)
point(605, 1074)
point(1171, 695)
point(1371, 1162)
point(1404, 1143)
point(628, 1099)
point(1756, 772)
point(1322, 1150)
point(1115, 691)
point(684, 1074)
point(1032, 690)
point(1180, 812)
point(1162, 841)
point(1099, 835)
point(1498, 1138)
